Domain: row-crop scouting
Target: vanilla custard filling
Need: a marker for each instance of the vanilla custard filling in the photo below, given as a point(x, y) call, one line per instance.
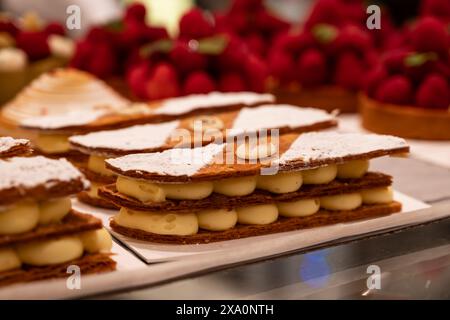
point(299, 208)
point(93, 190)
point(321, 175)
point(48, 252)
point(377, 195)
point(233, 187)
point(26, 215)
point(97, 164)
point(155, 192)
point(348, 201)
point(9, 259)
point(217, 219)
point(183, 224)
point(96, 241)
point(259, 214)
point(188, 191)
point(20, 217)
point(282, 182)
point(56, 250)
point(164, 223)
point(54, 210)
point(52, 143)
point(352, 169)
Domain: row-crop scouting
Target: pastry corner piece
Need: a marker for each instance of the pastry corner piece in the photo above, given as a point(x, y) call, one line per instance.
point(188, 196)
point(40, 234)
point(10, 147)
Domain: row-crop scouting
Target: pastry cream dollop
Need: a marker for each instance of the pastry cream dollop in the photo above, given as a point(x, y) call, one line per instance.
point(352, 169)
point(282, 182)
point(258, 214)
point(217, 219)
point(52, 143)
point(377, 195)
point(158, 222)
point(20, 217)
point(348, 201)
point(299, 208)
point(236, 186)
point(321, 175)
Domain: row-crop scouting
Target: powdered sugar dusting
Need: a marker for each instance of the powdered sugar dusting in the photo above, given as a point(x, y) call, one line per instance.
point(30, 172)
point(278, 116)
point(7, 143)
point(174, 162)
point(132, 138)
point(61, 91)
point(182, 105)
point(316, 146)
point(73, 118)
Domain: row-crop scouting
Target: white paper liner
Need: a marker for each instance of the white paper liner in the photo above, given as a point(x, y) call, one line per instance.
point(415, 212)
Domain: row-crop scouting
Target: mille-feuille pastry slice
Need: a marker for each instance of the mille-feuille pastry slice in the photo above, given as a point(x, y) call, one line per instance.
point(55, 93)
point(194, 196)
point(40, 234)
point(187, 132)
point(53, 131)
point(10, 147)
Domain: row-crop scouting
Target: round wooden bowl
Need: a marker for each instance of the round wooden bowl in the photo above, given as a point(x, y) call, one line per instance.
point(325, 97)
point(404, 121)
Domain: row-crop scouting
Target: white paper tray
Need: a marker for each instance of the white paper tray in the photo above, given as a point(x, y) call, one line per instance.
point(219, 255)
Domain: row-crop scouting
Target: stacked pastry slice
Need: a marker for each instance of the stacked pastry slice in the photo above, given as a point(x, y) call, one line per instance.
point(40, 234)
point(10, 147)
point(199, 196)
point(53, 131)
point(188, 132)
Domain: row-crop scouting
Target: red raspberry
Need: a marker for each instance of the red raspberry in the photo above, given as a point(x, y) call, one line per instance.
point(437, 8)
point(349, 71)
point(442, 68)
point(374, 78)
point(434, 92)
point(354, 12)
point(418, 65)
point(325, 11)
point(430, 34)
point(282, 66)
point(186, 59)
point(198, 82)
point(352, 38)
point(396, 89)
point(195, 24)
point(237, 22)
point(312, 68)
point(137, 79)
point(233, 55)
point(99, 34)
point(256, 72)
point(246, 6)
point(163, 82)
point(395, 60)
point(256, 44)
point(294, 42)
point(131, 35)
point(102, 62)
point(150, 34)
point(135, 12)
point(55, 28)
point(267, 22)
point(82, 52)
point(232, 82)
point(9, 27)
point(34, 43)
